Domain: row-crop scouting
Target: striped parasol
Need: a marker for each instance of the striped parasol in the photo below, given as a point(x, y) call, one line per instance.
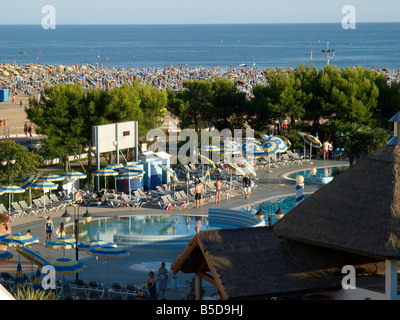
point(5, 255)
point(234, 168)
point(33, 256)
point(206, 162)
point(264, 136)
point(45, 185)
point(169, 171)
point(207, 176)
point(282, 146)
point(105, 172)
point(187, 181)
point(51, 177)
point(108, 252)
point(18, 240)
point(312, 141)
point(115, 166)
point(37, 282)
point(210, 148)
point(27, 182)
point(251, 139)
point(249, 167)
point(128, 174)
point(289, 144)
point(253, 150)
point(19, 280)
point(65, 266)
point(270, 148)
point(95, 244)
point(134, 169)
point(62, 243)
point(73, 175)
point(9, 188)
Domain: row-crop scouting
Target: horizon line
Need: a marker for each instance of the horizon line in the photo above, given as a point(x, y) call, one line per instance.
point(177, 24)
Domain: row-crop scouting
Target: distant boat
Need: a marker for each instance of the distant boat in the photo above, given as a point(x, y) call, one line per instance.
point(22, 52)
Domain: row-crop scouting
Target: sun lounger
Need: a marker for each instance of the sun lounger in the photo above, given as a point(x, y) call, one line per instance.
point(95, 291)
point(286, 159)
point(295, 157)
point(116, 290)
point(80, 289)
point(28, 209)
point(17, 211)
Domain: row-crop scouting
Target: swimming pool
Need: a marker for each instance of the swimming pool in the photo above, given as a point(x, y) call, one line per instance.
point(285, 203)
point(162, 230)
point(324, 175)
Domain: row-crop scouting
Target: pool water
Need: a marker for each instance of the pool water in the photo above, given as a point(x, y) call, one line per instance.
point(160, 225)
point(324, 175)
point(285, 203)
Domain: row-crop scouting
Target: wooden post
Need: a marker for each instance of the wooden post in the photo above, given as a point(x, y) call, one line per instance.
point(197, 283)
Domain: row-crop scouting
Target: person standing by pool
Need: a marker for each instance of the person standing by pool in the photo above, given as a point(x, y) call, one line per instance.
point(151, 286)
point(218, 186)
point(48, 228)
point(162, 279)
point(198, 192)
point(61, 231)
point(330, 151)
point(246, 186)
point(325, 149)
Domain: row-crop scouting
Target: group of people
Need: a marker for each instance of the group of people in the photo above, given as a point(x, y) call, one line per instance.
point(28, 129)
point(327, 150)
point(162, 280)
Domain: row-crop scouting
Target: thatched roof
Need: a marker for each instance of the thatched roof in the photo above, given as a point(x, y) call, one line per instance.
point(253, 263)
point(358, 211)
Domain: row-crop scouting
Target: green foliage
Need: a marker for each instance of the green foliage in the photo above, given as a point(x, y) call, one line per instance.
point(358, 140)
point(338, 170)
point(202, 103)
point(28, 293)
point(26, 162)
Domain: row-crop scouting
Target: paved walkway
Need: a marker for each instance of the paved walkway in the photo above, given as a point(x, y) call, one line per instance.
point(134, 269)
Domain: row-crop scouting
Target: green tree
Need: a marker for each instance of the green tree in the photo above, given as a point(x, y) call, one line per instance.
point(358, 140)
point(59, 115)
point(26, 162)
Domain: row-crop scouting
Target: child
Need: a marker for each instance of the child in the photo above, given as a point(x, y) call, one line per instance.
point(175, 282)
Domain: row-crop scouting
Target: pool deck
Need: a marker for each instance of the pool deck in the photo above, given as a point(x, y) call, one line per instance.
point(270, 184)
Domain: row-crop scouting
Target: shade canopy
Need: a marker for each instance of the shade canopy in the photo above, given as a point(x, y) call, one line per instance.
point(108, 252)
point(105, 172)
point(270, 148)
point(5, 255)
point(169, 171)
point(33, 256)
point(253, 150)
point(92, 244)
point(18, 240)
point(74, 175)
point(65, 266)
point(62, 243)
point(239, 171)
point(28, 181)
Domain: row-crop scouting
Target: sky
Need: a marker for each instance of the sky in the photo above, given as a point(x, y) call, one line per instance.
point(197, 11)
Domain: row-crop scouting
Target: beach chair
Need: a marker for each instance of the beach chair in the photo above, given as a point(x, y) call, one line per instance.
point(80, 289)
point(130, 291)
point(295, 157)
point(286, 159)
point(27, 208)
point(95, 291)
point(39, 205)
point(60, 202)
point(337, 154)
point(176, 203)
point(116, 290)
point(17, 211)
point(3, 209)
point(132, 203)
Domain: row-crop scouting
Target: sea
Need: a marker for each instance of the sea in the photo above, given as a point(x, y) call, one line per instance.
point(261, 46)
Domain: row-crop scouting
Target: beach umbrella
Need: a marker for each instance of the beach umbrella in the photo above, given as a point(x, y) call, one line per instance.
point(105, 172)
point(5, 255)
point(169, 171)
point(310, 140)
point(33, 256)
point(51, 177)
point(187, 181)
point(233, 168)
point(62, 243)
point(19, 280)
point(65, 266)
point(73, 175)
point(270, 148)
point(18, 240)
point(253, 150)
point(210, 148)
point(37, 282)
point(108, 252)
point(251, 139)
point(282, 146)
point(289, 144)
point(128, 174)
point(45, 185)
point(207, 176)
point(26, 183)
point(206, 162)
point(95, 244)
point(249, 167)
point(11, 189)
point(264, 136)
point(115, 166)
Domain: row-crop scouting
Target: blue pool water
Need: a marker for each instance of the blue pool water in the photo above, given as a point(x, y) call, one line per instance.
point(324, 175)
point(285, 203)
point(105, 229)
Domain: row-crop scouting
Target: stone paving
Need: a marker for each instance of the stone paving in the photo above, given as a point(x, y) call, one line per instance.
point(134, 269)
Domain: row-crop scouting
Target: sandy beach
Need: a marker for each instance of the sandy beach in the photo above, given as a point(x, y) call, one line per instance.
point(15, 116)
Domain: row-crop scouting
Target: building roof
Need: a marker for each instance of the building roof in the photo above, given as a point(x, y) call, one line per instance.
point(253, 263)
point(358, 211)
